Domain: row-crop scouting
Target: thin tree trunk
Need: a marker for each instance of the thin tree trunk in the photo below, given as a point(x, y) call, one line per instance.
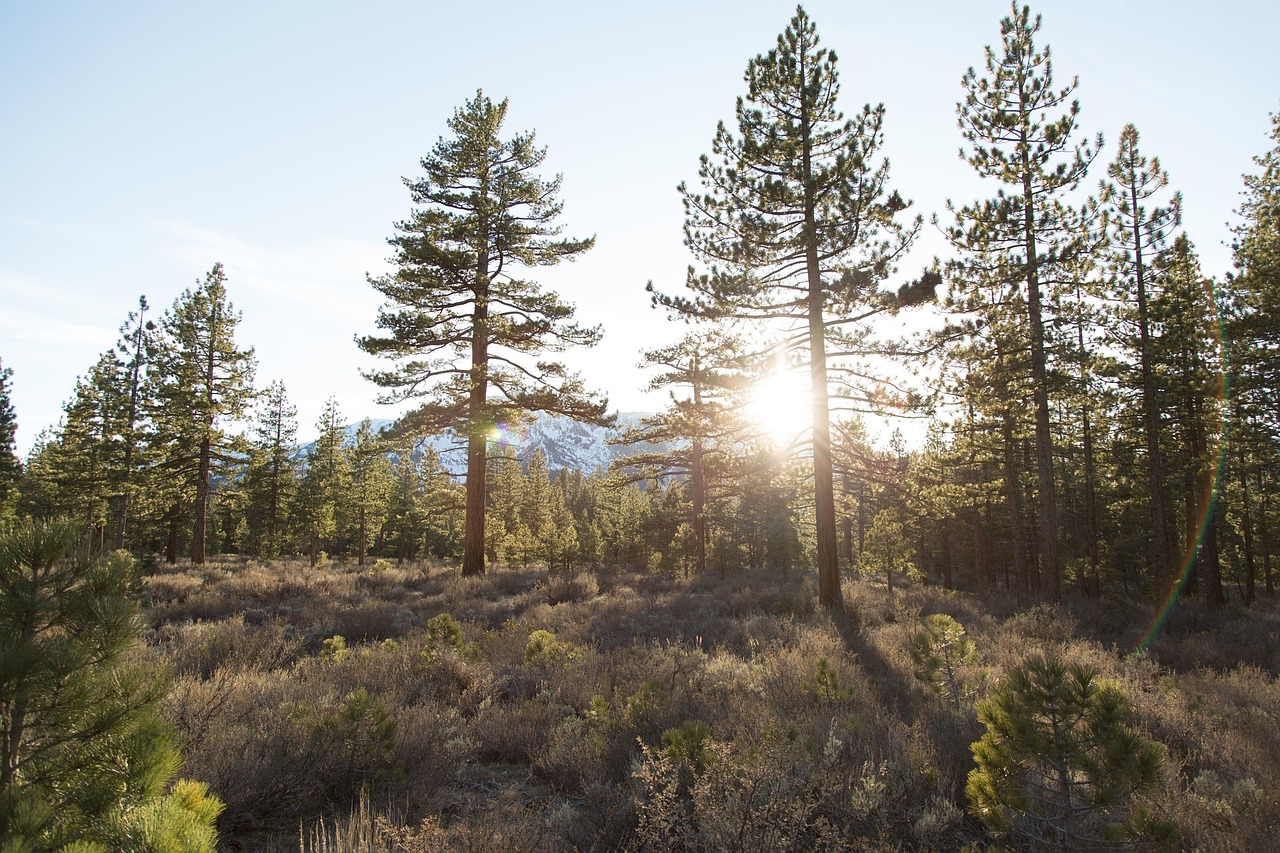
point(122, 510)
point(198, 523)
point(478, 422)
point(1040, 393)
point(698, 484)
point(829, 593)
point(1013, 499)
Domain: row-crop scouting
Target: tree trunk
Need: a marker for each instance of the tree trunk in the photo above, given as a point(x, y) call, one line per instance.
point(1052, 584)
point(478, 425)
point(201, 507)
point(698, 484)
point(1013, 498)
point(1162, 569)
point(829, 593)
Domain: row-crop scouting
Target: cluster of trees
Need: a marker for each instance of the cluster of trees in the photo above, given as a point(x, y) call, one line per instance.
point(1144, 460)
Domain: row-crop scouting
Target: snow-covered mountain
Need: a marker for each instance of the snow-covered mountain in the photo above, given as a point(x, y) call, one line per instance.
point(568, 444)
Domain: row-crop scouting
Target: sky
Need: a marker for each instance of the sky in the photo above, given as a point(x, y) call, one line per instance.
point(140, 143)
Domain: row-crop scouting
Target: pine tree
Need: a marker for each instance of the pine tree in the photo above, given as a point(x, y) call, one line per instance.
point(797, 226)
point(324, 483)
point(1254, 329)
point(10, 467)
point(135, 342)
point(370, 489)
point(693, 437)
point(461, 327)
point(1019, 128)
point(1190, 358)
point(1058, 758)
point(273, 473)
point(83, 459)
point(199, 379)
point(85, 757)
point(1139, 230)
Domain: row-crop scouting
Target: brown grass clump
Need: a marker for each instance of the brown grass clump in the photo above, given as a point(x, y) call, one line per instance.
point(408, 709)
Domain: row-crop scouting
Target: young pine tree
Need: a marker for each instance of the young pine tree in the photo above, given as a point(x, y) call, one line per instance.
point(1058, 763)
point(85, 757)
point(461, 326)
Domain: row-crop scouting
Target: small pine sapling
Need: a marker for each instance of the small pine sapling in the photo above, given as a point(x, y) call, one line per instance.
point(1058, 764)
point(944, 657)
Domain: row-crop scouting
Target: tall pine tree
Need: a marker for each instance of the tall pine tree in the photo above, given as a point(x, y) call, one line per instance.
point(462, 327)
point(1139, 229)
point(1018, 127)
point(797, 226)
point(199, 380)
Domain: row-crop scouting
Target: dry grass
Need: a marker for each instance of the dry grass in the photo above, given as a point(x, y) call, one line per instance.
point(820, 736)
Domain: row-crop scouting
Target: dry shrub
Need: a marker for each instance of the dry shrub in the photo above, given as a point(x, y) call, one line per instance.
point(200, 649)
point(513, 734)
point(498, 752)
point(777, 792)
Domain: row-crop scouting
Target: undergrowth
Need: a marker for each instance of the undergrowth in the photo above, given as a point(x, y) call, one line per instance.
point(410, 709)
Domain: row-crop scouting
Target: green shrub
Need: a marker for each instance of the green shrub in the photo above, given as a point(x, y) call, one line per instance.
point(645, 704)
point(443, 632)
point(335, 648)
point(544, 649)
point(826, 682)
point(1058, 765)
point(688, 744)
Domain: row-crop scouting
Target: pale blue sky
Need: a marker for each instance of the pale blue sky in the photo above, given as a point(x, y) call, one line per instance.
point(142, 142)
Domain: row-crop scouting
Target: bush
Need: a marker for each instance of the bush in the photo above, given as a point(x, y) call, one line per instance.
point(544, 649)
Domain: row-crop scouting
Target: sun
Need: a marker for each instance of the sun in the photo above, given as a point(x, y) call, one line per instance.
point(780, 404)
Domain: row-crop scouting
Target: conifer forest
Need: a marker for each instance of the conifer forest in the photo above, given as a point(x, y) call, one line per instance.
point(976, 554)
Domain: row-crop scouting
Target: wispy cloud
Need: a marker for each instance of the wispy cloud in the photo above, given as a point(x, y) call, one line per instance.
point(323, 275)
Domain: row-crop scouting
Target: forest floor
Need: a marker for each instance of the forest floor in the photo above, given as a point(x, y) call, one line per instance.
point(335, 709)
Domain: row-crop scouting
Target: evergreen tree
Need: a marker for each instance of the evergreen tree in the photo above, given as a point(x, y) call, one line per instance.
point(1139, 230)
point(199, 379)
point(461, 327)
point(424, 511)
point(694, 436)
point(370, 490)
point(1058, 759)
point(1254, 334)
point(1190, 360)
point(135, 342)
point(85, 757)
point(1018, 127)
point(82, 461)
point(273, 473)
point(10, 467)
point(324, 483)
point(797, 226)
